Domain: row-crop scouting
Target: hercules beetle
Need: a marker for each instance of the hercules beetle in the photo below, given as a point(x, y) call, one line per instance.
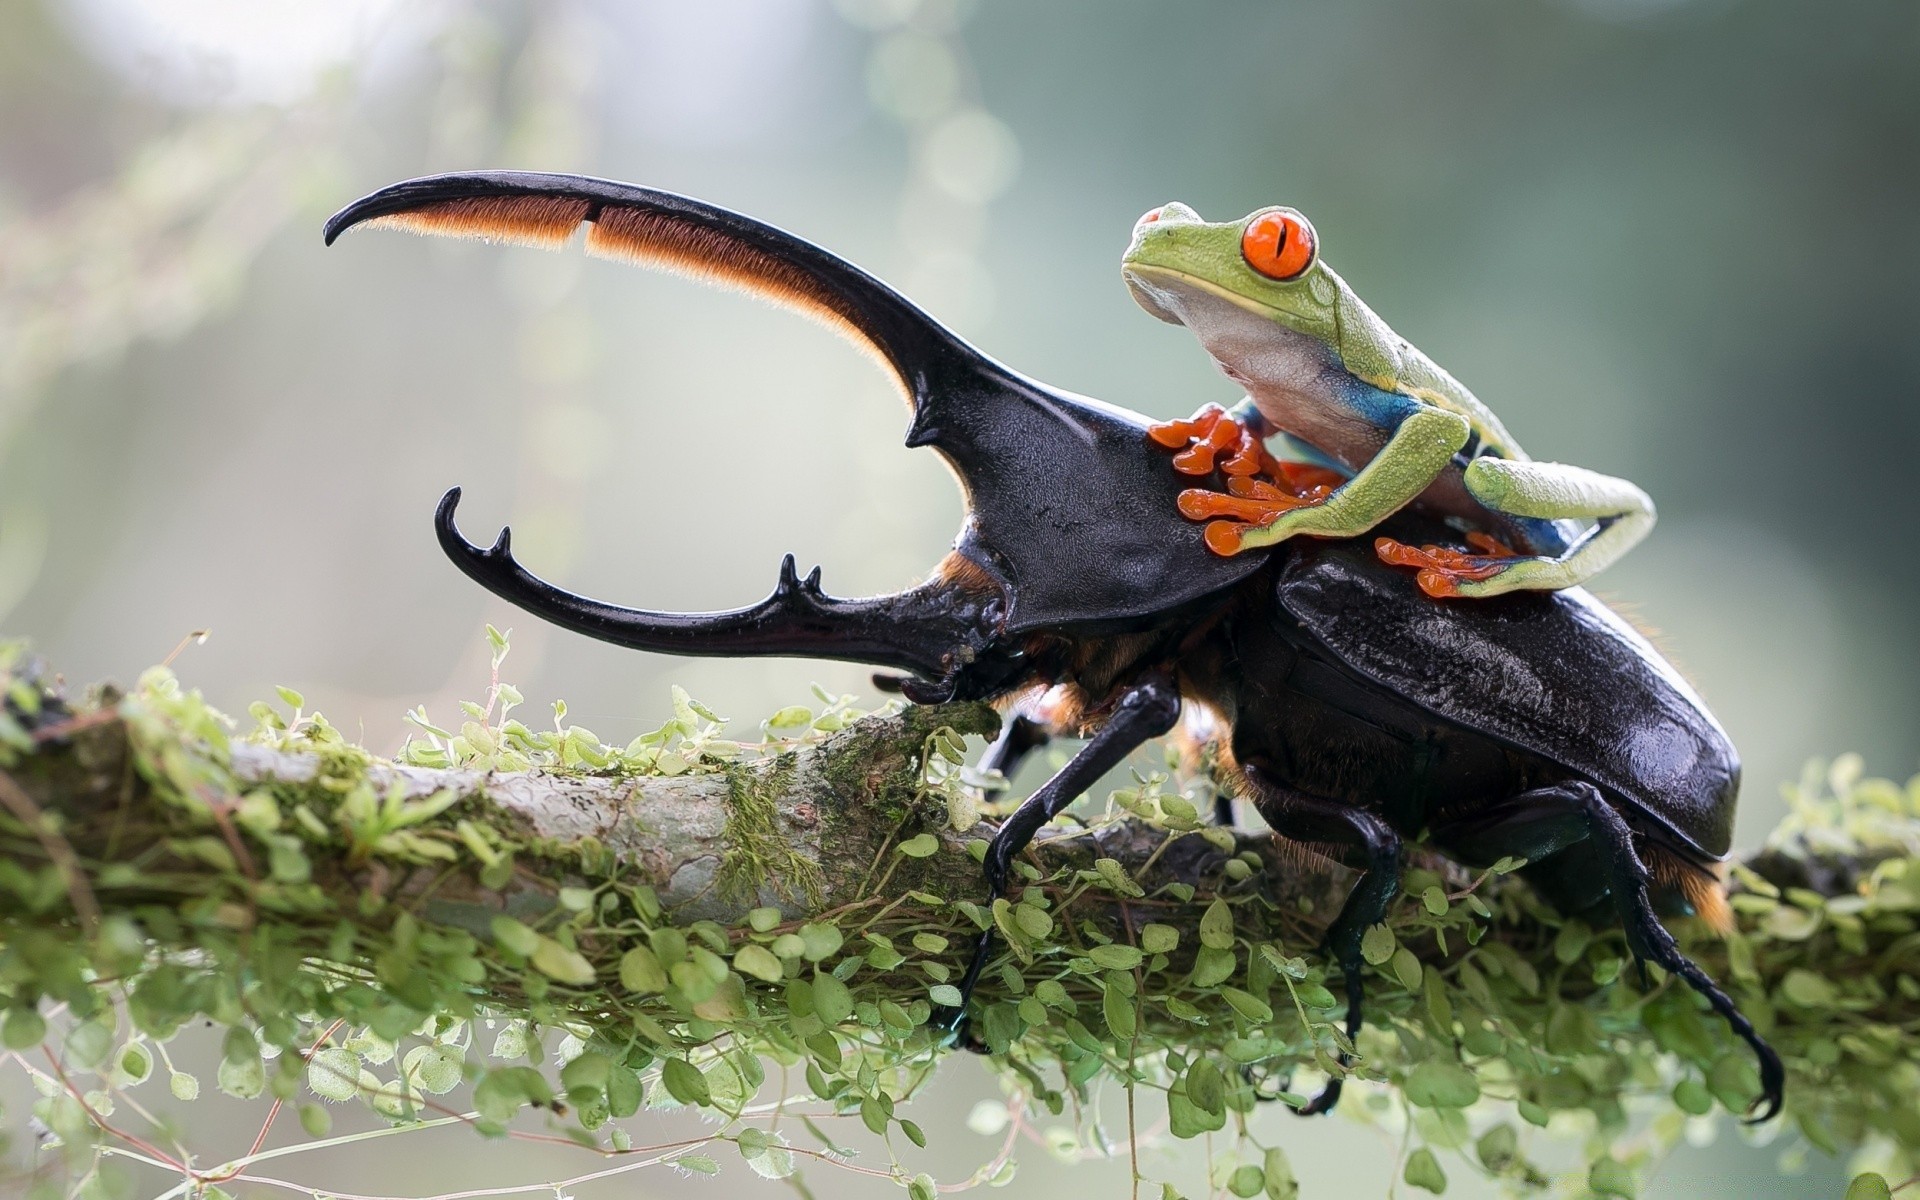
point(1353, 711)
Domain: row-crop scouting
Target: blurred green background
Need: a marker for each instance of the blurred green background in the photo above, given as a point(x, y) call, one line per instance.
point(1674, 240)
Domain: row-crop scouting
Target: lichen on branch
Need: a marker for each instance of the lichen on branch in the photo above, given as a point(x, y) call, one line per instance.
point(689, 908)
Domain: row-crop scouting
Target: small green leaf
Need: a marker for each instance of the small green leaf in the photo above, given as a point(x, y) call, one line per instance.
point(1033, 921)
point(1378, 944)
point(1212, 967)
point(641, 973)
point(1434, 900)
point(758, 961)
point(334, 1074)
point(1407, 969)
point(1497, 1147)
point(1159, 939)
point(945, 995)
point(562, 964)
point(1116, 957)
point(1216, 926)
point(183, 1086)
point(585, 1078)
point(1572, 942)
point(1804, 989)
point(1439, 1004)
point(1690, 1096)
point(1611, 1177)
point(775, 1161)
point(1206, 1086)
point(921, 845)
point(315, 1120)
point(763, 919)
point(243, 1080)
point(24, 1028)
point(89, 1043)
point(1118, 1010)
point(1733, 1080)
point(1440, 1084)
point(1423, 1171)
point(1789, 923)
point(514, 936)
point(1281, 1184)
point(820, 941)
point(794, 716)
point(1870, 1185)
point(832, 1001)
point(1247, 1181)
point(684, 1082)
point(1185, 1119)
point(1247, 1005)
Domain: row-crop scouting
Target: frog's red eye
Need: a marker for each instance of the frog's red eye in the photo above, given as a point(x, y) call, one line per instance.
point(1279, 244)
point(1150, 218)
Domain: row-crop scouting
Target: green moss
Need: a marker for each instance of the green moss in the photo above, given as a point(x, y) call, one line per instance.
point(759, 857)
point(280, 911)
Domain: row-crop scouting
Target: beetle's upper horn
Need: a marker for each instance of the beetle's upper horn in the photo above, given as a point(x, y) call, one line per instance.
point(929, 630)
point(678, 233)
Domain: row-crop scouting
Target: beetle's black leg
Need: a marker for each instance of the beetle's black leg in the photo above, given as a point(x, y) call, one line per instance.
point(1147, 710)
point(1310, 819)
point(1019, 737)
point(1541, 822)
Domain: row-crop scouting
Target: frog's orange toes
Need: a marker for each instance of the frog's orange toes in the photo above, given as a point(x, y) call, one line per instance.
point(1175, 434)
point(1205, 436)
point(1249, 456)
point(1441, 569)
point(1223, 537)
point(1198, 504)
point(1305, 479)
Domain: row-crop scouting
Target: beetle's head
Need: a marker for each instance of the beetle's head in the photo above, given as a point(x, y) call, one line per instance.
point(1071, 521)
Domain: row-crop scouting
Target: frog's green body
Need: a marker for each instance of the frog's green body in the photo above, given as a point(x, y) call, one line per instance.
point(1323, 368)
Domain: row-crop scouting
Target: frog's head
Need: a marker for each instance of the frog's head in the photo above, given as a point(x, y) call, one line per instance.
point(1232, 282)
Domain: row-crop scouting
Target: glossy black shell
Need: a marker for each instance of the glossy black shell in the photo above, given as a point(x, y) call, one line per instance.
point(1558, 675)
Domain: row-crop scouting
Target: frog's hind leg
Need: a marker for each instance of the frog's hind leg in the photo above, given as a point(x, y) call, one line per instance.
point(1623, 514)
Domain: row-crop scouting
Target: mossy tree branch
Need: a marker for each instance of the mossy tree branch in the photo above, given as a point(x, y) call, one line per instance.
point(687, 908)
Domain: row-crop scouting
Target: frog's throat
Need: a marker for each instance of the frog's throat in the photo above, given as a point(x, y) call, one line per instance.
point(1265, 312)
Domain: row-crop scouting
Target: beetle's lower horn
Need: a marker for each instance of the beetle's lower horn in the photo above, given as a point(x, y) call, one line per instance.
point(925, 630)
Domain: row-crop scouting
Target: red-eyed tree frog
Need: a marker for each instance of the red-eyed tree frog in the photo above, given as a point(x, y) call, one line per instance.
point(1320, 367)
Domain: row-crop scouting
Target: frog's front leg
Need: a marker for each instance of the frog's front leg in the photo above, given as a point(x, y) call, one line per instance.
point(1552, 491)
point(1421, 447)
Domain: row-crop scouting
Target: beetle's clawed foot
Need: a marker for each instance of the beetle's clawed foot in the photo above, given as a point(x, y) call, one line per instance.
point(1324, 1102)
point(1443, 569)
point(959, 1030)
point(1260, 487)
point(1773, 1087)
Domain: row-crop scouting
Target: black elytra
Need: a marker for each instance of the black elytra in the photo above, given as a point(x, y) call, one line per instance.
point(1363, 714)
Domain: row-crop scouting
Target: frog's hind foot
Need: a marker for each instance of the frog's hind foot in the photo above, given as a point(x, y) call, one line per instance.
point(1445, 571)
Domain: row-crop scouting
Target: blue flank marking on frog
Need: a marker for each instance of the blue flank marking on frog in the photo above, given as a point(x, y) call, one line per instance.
point(1385, 410)
point(1378, 408)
